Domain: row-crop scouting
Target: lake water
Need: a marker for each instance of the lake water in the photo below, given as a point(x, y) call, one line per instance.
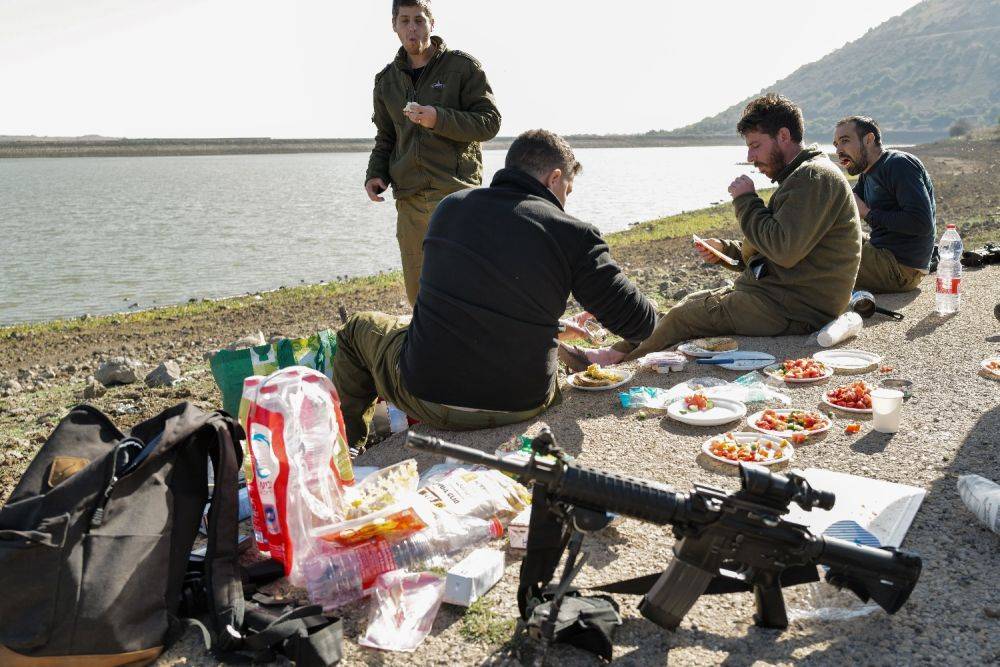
point(98, 235)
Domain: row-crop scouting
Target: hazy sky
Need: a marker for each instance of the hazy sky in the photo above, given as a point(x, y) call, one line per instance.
point(286, 68)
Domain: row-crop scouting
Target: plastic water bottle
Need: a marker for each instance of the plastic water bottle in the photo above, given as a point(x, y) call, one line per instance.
point(982, 497)
point(949, 273)
point(344, 576)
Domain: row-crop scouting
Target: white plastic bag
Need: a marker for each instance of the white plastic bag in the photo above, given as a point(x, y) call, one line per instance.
point(474, 491)
point(402, 610)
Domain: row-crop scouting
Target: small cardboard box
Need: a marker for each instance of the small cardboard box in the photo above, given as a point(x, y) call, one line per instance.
point(473, 576)
point(517, 531)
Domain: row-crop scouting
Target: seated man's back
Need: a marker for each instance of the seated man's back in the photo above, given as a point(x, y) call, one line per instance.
point(499, 265)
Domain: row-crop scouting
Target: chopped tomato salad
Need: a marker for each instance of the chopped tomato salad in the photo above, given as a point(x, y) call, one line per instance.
point(801, 369)
point(698, 403)
point(757, 450)
point(796, 420)
point(857, 396)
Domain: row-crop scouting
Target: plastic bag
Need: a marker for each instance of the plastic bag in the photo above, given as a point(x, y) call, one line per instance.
point(982, 497)
point(402, 611)
point(474, 491)
point(301, 463)
point(381, 489)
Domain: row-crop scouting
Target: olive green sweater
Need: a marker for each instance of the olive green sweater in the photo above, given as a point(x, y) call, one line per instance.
point(448, 157)
point(809, 236)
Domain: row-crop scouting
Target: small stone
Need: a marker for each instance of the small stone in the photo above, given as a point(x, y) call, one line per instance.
point(12, 387)
point(992, 612)
point(118, 370)
point(252, 340)
point(167, 374)
point(680, 294)
point(94, 389)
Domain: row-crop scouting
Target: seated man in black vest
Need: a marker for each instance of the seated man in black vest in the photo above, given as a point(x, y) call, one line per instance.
point(499, 265)
point(895, 197)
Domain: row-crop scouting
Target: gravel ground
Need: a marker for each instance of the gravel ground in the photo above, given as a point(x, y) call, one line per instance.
point(949, 428)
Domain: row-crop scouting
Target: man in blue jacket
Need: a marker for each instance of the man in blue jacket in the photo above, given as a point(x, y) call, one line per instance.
point(895, 197)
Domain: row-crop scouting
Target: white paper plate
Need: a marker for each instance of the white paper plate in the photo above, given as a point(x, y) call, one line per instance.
point(723, 412)
point(692, 350)
point(744, 437)
point(626, 376)
point(752, 423)
point(986, 367)
point(848, 360)
point(777, 376)
point(745, 361)
point(865, 411)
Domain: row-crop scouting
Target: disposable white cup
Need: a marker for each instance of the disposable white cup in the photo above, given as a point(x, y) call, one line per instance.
point(887, 404)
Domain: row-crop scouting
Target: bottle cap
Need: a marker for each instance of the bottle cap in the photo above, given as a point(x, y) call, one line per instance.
point(951, 225)
point(496, 528)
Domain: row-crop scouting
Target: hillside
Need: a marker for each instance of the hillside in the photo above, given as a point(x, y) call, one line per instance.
point(917, 72)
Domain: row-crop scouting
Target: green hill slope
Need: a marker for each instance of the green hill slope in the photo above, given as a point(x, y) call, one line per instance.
point(918, 72)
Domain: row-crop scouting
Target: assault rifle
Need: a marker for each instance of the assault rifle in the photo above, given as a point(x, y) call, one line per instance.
point(726, 542)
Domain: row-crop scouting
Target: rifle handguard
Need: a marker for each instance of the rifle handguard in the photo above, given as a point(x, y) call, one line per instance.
point(632, 497)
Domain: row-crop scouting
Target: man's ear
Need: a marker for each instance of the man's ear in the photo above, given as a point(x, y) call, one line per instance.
point(784, 135)
point(553, 178)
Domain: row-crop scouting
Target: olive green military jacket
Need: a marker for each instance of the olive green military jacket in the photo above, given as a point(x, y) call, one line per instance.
point(448, 157)
point(809, 236)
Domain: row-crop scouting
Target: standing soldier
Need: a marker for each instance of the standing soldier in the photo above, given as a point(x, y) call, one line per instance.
point(433, 107)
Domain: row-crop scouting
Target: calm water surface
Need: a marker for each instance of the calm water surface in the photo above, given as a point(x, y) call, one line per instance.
point(98, 235)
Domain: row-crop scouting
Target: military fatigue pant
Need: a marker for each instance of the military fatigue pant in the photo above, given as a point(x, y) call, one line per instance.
point(720, 312)
point(881, 273)
point(366, 366)
point(413, 214)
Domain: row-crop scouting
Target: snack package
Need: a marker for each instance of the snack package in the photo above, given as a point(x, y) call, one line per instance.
point(381, 489)
point(301, 462)
point(395, 521)
point(402, 611)
point(474, 491)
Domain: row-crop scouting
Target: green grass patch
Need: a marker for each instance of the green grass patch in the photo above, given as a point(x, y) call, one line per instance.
point(482, 624)
point(680, 225)
point(288, 295)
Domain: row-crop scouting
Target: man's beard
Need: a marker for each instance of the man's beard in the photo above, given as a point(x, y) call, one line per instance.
point(855, 167)
point(774, 165)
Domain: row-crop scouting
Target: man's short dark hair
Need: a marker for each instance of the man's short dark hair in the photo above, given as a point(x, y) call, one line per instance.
point(425, 5)
point(769, 113)
point(538, 152)
point(863, 125)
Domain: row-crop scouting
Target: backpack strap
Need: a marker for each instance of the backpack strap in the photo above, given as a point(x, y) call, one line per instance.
point(222, 578)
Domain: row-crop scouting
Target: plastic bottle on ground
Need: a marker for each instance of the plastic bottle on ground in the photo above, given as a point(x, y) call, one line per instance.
point(982, 497)
point(339, 578)
point(949, 273)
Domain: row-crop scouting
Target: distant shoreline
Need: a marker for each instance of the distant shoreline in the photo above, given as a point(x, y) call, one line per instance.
point(30, 147)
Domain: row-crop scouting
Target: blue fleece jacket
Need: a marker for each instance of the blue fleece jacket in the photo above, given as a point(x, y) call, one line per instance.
point(900, 196)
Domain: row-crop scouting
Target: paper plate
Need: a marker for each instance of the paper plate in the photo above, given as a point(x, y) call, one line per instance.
point(723, 412)
point(626, 376)
point(848, 360)
point(777, 376)
point(752, 423)
point(692, 350)
point(744, 437)
point(745, 361)
point(986, 366)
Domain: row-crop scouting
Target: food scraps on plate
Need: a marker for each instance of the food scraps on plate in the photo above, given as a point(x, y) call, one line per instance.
point(852, 396)
point(808, 421)
point(750, 449)
point(697, 402)
point(802, 369)
point(595, 376)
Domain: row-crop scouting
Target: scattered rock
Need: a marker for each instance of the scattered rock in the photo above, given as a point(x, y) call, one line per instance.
point(12, 387)
point(992, 612)
point(118, 370)
point(94, 389)
point(167, 374)
point(125, 409)
point(680, 294)
point(253, 340)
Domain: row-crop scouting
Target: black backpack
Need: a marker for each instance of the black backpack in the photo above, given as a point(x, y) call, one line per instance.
point(96, 539)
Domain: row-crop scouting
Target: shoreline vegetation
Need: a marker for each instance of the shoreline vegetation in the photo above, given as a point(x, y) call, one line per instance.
point(97, 146)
